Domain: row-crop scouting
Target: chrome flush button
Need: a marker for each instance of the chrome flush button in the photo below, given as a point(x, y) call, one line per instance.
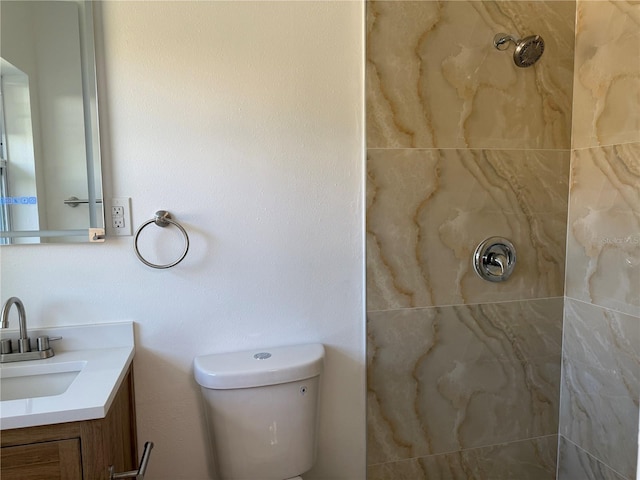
point(262, 356)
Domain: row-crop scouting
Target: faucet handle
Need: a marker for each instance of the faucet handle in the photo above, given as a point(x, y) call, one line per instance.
point(43, 342)
point(5, 346)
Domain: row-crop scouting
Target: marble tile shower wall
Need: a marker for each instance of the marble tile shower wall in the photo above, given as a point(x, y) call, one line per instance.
point(601, 360)
point(463, 374)
point(434, 79)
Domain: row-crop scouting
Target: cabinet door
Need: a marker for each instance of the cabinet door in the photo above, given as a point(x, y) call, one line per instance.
point(59, 460)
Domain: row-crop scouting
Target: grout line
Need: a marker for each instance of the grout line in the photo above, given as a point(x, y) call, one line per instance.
point(608, 145)
point(509, 149)
point(601, 307)
point(471, 449)
point(561, 389)
point(593, 457)
point(519, 300)
point(500, 149)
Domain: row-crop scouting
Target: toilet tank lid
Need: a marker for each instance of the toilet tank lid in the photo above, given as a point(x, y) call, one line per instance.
point(259, 367)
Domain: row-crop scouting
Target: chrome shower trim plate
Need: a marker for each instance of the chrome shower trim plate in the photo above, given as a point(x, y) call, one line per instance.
point(494, 259)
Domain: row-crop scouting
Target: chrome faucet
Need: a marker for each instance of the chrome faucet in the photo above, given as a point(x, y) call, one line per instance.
point(24, 344)
point(24, 352)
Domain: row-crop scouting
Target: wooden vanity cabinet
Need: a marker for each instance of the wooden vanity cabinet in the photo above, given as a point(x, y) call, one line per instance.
point(76, 450)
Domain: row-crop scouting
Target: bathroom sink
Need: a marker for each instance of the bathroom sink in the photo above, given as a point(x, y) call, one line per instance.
point(33, 381)
point(78, 383)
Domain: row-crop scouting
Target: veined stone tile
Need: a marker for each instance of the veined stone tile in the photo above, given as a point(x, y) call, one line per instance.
point(601, 384)
point(449, 378)
point(606, 92)
point(576, 464)
point(450, 466)
point(533, 459)
point(434, 78)
point(428, 210)
point(603, 254)
point(607, 341)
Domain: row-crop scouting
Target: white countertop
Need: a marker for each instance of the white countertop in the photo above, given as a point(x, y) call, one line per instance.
point(91, 393)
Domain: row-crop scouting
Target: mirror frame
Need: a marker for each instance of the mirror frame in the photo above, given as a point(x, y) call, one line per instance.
point(95, 231)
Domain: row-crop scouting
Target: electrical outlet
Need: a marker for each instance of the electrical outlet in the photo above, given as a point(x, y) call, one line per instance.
point(121, 216)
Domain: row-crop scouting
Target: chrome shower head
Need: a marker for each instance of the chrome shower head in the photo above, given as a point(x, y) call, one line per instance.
point(528, 50)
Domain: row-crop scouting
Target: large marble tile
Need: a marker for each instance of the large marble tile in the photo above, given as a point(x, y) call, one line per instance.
point(533, 459)
point(434, 78)
point(427, 210)
point(576, 464)
point(606, 93)
point(601, 384)
point(450, 466)
point(603, 245)
point(449, 378)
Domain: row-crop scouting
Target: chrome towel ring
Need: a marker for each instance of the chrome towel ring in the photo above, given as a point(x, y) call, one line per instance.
point(162, 218)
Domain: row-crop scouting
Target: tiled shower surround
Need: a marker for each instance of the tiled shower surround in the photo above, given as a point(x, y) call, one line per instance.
point(469, 379)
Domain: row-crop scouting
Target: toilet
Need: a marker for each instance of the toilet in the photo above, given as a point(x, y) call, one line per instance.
point(261, 410)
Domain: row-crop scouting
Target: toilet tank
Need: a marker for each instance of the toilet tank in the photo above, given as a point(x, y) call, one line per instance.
point(261, 409)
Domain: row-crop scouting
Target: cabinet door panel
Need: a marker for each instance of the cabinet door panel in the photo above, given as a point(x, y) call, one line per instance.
point(59, 460)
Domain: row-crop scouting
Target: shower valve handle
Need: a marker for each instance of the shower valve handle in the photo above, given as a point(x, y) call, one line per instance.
point(494, 259)
point(498, 260)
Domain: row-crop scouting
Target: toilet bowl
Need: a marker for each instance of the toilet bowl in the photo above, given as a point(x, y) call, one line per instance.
point(261, 408)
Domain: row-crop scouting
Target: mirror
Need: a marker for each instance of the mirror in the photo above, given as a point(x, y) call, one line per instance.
point(50, 170)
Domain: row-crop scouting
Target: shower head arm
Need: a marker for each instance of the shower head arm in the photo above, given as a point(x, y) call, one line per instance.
point(501, 41)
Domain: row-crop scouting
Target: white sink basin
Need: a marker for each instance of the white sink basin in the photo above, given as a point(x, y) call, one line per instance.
point(33, 381)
